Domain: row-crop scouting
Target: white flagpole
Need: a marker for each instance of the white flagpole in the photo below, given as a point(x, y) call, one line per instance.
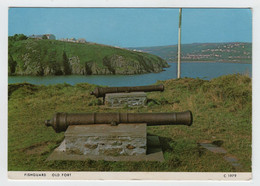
point(179, 46)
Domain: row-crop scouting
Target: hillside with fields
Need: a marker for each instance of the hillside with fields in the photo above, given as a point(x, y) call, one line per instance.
point(43, 57)
point(236, 52)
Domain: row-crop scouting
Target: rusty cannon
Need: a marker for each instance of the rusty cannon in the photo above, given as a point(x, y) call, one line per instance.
point(61, 121)
point(101, 92)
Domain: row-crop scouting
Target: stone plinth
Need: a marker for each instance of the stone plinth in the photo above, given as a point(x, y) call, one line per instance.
point(104, 139)
point(153, 153)
point(132, 99)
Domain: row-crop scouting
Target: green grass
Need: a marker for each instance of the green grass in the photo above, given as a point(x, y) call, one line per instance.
point(222, 110)
point(31, 55)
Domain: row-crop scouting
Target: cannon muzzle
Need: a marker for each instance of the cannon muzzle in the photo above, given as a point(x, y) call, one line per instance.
point(61, 121)
point(101, 92)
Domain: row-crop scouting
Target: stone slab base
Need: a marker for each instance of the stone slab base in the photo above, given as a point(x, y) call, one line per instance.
point(132, 99)
point(104, 139)
point(154, 153)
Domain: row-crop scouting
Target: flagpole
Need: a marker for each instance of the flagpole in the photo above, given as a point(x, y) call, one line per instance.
point(179, 46)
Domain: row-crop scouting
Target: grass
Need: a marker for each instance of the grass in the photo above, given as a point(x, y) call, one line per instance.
point(31, 55)
point(222, 110)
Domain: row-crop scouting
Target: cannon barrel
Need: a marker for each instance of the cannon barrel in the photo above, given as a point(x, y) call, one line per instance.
point(100, 92)
point(61, 121)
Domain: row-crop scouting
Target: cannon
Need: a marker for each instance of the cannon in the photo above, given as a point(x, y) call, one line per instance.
point(101, 92)
point(61, 121)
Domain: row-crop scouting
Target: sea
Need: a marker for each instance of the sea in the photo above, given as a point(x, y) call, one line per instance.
point(202, 70)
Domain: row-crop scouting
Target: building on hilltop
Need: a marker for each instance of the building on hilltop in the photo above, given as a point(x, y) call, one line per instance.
point(36, 36)
point(63, 39)
point(49, 36)
point(73, 40)
point(81, 40)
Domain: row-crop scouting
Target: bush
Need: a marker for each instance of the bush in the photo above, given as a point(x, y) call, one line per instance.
point(17, 37)
point(44, 37)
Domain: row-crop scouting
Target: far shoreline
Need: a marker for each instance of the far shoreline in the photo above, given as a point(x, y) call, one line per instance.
point(164, 69)
point(237, 62)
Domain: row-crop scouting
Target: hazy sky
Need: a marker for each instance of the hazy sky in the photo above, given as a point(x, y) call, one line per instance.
point(133, 27)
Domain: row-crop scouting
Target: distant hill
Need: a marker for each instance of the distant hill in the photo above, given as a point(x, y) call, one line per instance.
point(51, 57)
point(216, 52)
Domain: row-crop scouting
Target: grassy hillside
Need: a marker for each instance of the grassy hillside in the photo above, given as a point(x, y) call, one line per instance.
point(218, 52)
point(222, 110)
point(51, 57)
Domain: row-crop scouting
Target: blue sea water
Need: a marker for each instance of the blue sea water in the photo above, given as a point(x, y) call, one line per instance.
point(193, 70)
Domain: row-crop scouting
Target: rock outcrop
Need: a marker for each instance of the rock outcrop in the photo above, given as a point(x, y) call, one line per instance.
point(32, 58)
point(115, 64)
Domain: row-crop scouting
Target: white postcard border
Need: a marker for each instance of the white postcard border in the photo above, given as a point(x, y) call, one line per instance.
point(254, 4)
point(177, 176)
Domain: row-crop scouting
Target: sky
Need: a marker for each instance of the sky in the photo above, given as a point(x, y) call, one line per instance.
point(134, 27)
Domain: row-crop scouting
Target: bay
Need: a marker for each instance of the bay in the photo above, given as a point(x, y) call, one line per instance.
point(202, 70)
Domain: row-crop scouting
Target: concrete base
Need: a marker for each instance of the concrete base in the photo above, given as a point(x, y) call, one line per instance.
point(154, 153)
point(132, 99)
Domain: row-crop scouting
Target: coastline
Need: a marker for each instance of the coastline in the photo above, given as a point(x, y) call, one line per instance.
point(193, 70)
point(238, 62)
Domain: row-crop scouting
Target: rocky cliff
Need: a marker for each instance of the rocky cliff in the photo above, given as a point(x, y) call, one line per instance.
point(41, 58)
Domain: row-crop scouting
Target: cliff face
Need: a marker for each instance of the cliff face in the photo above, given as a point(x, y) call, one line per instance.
point(35, 58)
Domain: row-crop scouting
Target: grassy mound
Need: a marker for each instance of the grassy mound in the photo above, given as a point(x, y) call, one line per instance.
point(222, 110)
